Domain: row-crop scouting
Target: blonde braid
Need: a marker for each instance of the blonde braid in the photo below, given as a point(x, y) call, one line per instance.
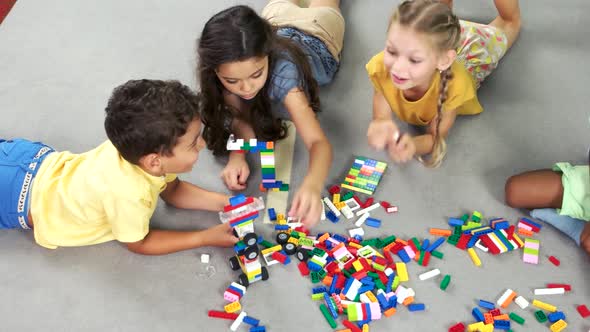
point(439, 150)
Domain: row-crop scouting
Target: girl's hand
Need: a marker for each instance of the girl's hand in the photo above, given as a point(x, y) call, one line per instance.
point(219, 236)
point(307, 204)
point(236, 172)
point(381, 133)
point(402, 151)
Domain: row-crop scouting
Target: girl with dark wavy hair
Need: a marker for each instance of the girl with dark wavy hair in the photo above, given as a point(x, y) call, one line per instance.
point(255, 71)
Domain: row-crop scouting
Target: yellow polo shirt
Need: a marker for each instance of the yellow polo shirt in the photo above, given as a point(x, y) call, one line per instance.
point(462, 94)
point(93, 197)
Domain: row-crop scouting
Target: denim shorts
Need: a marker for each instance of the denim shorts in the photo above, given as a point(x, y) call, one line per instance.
point(19, 162)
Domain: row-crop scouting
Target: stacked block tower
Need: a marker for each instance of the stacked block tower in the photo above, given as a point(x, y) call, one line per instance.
point(267, 161)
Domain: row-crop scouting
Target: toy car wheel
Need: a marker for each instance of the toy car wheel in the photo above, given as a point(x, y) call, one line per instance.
point(243, 279)
point(264, 273)
point(302, 254)
point(282, 238)
point(250, 239)
point(234, 263)
point(251, 253)
point(289, 248)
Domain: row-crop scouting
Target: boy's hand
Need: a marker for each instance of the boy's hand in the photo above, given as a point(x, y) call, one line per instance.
point(381, 133)
point(402, 151)
point(236, 172)
point(219, 236)
point(307, 204)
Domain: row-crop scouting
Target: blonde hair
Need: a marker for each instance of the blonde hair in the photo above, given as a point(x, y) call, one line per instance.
point(435, 20)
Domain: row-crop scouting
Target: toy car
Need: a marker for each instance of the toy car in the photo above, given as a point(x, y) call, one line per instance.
point(240, 214)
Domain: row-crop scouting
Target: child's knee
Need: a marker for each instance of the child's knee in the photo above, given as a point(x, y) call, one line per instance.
point(511, 191)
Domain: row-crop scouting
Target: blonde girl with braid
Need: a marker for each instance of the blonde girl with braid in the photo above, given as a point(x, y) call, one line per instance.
point(429, 73)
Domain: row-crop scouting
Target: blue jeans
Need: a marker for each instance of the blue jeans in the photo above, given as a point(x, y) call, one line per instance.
point(572, 227)
point(19, 162)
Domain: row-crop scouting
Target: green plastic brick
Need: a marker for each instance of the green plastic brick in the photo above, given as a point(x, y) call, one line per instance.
point(315, 278)
point(328, 316)
point(347, 196)
point(318, 252)
point(445, 282)
point(437, 254)
point(516, 318)
point(540, 316)
point(416, 242)
point(388, 240)
point(421, 259)
point(266, 244)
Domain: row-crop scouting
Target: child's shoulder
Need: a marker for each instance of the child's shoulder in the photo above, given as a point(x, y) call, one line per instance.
point(118, 174)
point(375, 66)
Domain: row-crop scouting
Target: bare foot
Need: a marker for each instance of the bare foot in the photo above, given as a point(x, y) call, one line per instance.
point(585, 238)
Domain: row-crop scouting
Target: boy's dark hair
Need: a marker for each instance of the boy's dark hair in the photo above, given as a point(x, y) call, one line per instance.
point(236, 34)
point(148, 116)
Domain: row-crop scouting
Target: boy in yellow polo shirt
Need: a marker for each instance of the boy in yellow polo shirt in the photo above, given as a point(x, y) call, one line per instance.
point(111, 192)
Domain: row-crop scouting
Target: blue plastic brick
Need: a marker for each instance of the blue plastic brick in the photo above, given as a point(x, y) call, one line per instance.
point(403, 255)
point(382, 301)
point(366, 288)
point(389, 283)
point(532, 222)
point(251, 321)
point(272, 215)
point(339, 238)
point(333, 284)
point(456, 222)
point(280, 228)
point(332, 217)
point(502, 225)
point(502, 324)
point(555, 316)
point(330, 305)
point(317, 290)
point(313, 266)
point(477, 315)
point(425, 244)
point(393, 301)
point(416, 307)
point(472, 242)
point(436, 244)
point(486, 304)
point(239, 246)
point(237, 200)
point(372, 222)
point(258, 329)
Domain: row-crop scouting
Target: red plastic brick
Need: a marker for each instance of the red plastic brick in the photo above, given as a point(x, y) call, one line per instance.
point(459, 327)
point(554, 260)
point(583, 310)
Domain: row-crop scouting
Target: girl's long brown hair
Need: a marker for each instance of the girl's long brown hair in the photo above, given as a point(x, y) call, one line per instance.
point(236, 34)
point(436, 20)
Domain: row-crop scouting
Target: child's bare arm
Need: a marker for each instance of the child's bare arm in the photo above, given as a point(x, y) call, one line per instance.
point(306, 202)
point(425, 143)
point(186, 195)
point(161, 242)
point(382, 129)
